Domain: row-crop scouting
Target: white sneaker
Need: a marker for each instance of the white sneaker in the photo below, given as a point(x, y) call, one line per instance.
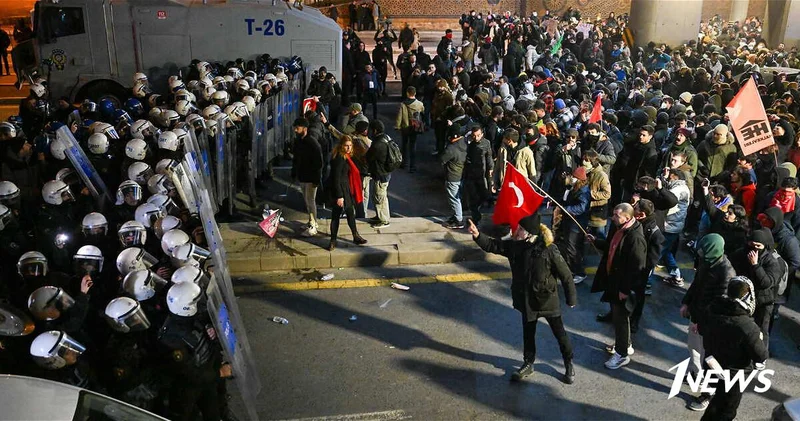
point(310, 232)
point(675, 273)
point(611, 349)
point(578, 279)
point(616, 361)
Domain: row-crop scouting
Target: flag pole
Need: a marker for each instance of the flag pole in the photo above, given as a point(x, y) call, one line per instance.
point(557, 204)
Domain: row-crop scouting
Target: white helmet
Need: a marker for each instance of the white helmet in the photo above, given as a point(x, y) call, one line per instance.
point(8, 191)
point(132, 233)
point(98, 144)
point(251, 81)
point(147, 213)
point(140, 90)
point(88, 260)
point(139, 77)
point(211, 112)
point(260, 85)
point(166, 224)
point(208, 92)
point(154, 115)
point(236, 111)
point(129, 187)
point(219, 83)
point(242, 86)
point(185, 95)
point(203, 66)
point(165, 165)
point(153, 100)
point(58, 150)
point(190, 254)
point(55, 192)
point(176, 85)
point(164, 203)
point(196, 121)
point(142, 284)
point(142, 128)
point(134, 258)
point(55, 349)
point(169, 141)
point(220, 98)
point(250, 102)
point(182, 299)
point(5, 216)
point(126, 315)
point(228, 80)
point(159, 184)
point(234, 72)
point(173, 238)
point(170, 118)
point(211, 127)
point(190, 274)
point(181, 133)
point(140, 172)
point(136, 149)
point(39, 90)
point(184, 108)
point(104, 128)
point(32, 263)
point(48, 302)
point(94, 223)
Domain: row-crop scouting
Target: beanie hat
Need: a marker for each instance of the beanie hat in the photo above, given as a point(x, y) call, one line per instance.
point(580, 173)
point(559, 103)
point(686, 97)
point(531, 223)
point(713, 247)
point(355, 107)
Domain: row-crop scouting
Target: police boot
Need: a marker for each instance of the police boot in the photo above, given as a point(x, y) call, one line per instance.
point(569, 372)
point(524, 371)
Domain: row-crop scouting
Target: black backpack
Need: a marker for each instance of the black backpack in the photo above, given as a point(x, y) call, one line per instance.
point(394, 157)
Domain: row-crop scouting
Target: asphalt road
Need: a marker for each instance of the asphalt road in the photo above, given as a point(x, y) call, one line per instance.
point(445, 351)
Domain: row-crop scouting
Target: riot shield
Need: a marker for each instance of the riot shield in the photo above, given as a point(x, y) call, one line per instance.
point(90, 177)
point(231, 166)
point(256, 145)
point(220, 173)
point(14, 322)
point(192, 145)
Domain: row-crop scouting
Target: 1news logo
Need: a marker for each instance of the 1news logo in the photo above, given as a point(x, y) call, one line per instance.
point(709, 381)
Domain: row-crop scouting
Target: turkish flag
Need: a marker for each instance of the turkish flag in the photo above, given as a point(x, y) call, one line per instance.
point(597, 111)
point(309, 104)
point(517, 199)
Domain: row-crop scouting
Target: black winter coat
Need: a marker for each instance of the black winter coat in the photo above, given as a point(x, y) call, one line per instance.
point(378, 156)
point(766, 274)
point(338, 184)
point(655, 241)
point(786, 243)
point(307, 163)
point(731, 336)
point(628, 269)
point(710, 282)
point(636, 160)
point(663, 200)
point(534, 269)
point(479, 160)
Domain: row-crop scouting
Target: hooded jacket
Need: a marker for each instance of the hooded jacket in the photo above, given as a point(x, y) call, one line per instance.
point(676, 215)
point(535, 268)
point(717, 157)
point(714, 270)
point(600, 189)
point(453, 158)
point(786, 243)
point(655, 241)
point(731, 336)
point(766, 273)
point(522, 159)
point(408, 107)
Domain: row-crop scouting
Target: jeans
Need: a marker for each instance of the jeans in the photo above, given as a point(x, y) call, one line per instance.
point(454, 198)
point(571, 246)
point(309, 196)
point(622, 327)
point(529, 338)
point(409, 145)
point(336, 213)
point(382, 200)
point(763, 316)
point(599, 232)
point(669, 250)
point(697, 352)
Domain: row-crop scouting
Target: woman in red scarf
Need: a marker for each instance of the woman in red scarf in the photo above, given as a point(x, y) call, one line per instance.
point(344, 190)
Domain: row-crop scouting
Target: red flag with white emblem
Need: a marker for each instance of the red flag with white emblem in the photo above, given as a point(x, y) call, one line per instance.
point(517, 199)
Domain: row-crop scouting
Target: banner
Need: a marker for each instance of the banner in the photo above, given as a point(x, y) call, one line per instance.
point(597, 111)
point(749, 120)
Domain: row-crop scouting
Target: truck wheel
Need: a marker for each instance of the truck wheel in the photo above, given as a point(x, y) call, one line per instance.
point(103, 89)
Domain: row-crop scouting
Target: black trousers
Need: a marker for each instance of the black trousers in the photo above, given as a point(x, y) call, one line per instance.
point(336, 213)
point(640, 297)
point(529, 338)
point(475, 193)
point(763, 318)
point(440, 131)
point(185, 401)
point(571, 246)
point(622, 327)
point(409, 147)
point(371, 97)
point(4, 60)
point(723, 405)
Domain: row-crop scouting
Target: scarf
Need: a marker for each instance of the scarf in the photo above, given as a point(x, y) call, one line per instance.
point(354, 177)
point(784, 200)
point(615, 241)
